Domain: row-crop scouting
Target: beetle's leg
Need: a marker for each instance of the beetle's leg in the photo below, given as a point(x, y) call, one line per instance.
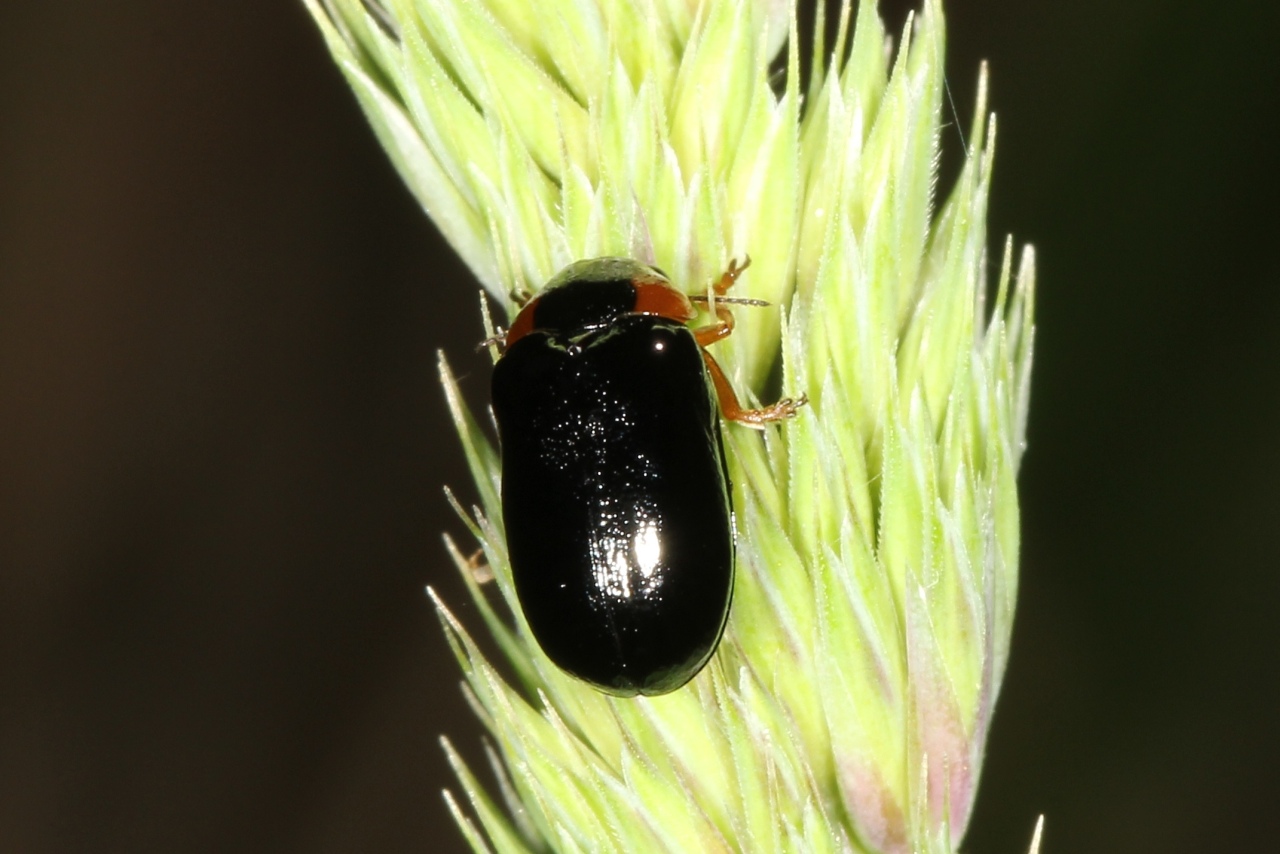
point(730, 407)
point(717, 331)
point(729, 276)
point(723, 326)
point(520, 297)
point(732, 410)
point(498, 338)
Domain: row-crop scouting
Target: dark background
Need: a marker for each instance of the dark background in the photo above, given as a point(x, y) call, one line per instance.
point(222, 443)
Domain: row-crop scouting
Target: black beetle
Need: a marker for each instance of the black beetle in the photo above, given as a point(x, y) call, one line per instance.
point(615, 493)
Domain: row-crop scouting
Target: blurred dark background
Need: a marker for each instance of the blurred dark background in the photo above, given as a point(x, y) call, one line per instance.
point(222, 443)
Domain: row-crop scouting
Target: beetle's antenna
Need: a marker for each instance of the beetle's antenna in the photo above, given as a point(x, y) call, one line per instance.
point(956, 114)
point(730, 300)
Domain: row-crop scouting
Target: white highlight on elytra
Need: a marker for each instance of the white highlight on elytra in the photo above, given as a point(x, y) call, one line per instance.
point(621, 562)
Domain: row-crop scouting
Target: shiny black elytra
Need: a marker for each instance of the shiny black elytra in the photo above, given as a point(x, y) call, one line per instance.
point(615, 493)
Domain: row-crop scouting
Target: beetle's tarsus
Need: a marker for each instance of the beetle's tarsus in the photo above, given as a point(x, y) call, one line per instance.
point(780, 411)
point(499, 338)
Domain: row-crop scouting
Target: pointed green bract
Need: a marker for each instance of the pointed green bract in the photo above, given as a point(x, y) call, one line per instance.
point(849, 703)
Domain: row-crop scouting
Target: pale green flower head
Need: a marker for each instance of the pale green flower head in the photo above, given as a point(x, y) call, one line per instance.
point(848, 705)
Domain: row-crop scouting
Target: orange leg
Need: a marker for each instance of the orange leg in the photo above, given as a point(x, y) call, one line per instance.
point(732, 410)
point(717, 331)
point(724, 326)
point(730, 407)
point(731, 275)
